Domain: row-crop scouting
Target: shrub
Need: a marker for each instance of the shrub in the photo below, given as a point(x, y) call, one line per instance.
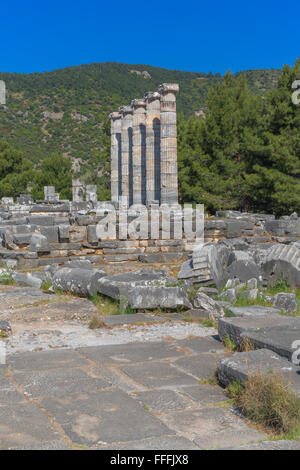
point(268, 401)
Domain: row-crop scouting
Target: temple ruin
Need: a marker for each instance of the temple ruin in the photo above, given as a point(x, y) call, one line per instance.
point(143, 171)
point(144, 149)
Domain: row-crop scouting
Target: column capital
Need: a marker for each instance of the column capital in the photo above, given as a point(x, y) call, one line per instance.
point(125, 110)
point(152, 96)
point(165, 88)
point(114, 116)
point(138, 104)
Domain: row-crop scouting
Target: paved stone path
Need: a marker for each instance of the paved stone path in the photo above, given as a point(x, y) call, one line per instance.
point(130, 396)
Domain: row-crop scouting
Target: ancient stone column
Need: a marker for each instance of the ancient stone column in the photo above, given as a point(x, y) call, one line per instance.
point(115, 155)
point(152, 147)
point(126, 152)
point(139, 151)
point(168, 143)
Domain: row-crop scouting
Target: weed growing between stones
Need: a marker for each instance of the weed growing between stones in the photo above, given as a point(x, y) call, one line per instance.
point(6, 279)
point(179, 283)
point(245, 345)
point(96, 322)
point(189, 319)
point(229, 314)
point(207, 322)
point(108, 306)
point(235, 390)
point(268, 401)
point(241, 301)
point(45, 286)
point(230, 344)
point(279, 286)
point(212, 380)
point(192, 294)
point(202, 321)
point(36, 304)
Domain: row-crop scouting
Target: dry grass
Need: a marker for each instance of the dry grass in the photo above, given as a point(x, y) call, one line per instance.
point(268, 401)
point(96, 322)
point(244, 346)
point(211, 380)
point(173, 272)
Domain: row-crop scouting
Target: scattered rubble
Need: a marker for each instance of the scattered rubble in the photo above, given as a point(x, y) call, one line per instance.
point(207, 304)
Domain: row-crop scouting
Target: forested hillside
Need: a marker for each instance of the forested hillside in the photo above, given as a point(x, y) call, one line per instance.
point(245, 154)
point(65, 111)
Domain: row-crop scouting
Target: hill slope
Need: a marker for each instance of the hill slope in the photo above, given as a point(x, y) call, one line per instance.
point(66, 110)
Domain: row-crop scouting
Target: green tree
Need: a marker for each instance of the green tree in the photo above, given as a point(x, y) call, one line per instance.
point(16, 172)
point(245, 154)
point(274, 183)
point(215, 152)
point(55, 170)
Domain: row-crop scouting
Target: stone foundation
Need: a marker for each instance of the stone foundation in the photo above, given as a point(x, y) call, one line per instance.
point(68, 229)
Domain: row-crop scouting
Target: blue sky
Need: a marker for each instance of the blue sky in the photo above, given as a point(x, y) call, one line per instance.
point(187, 35)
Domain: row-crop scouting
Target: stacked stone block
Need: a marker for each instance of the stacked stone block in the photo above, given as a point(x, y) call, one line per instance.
point(55, 233)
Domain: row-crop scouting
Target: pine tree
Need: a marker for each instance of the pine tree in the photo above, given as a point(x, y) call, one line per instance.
point(245, 154)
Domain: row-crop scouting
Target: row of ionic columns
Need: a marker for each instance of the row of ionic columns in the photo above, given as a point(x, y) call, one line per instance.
point(144, 149)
